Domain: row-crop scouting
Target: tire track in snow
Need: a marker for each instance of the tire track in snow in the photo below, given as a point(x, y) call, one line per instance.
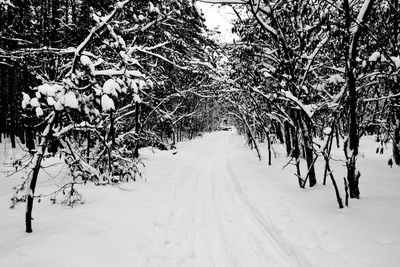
point(263, 232)
point(259, 245)
point(271, 211)
point(172, 234)
point(206, 220)
point(210, 245)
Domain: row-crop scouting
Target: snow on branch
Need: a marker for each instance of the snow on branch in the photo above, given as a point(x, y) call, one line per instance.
point(305, 108)
point(361, 15)
point(102, 23)
point(160, 57)
point(6, 3)
point(312, 57)
point(381, 98)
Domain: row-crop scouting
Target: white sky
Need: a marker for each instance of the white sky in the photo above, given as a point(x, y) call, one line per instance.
point(220, 17)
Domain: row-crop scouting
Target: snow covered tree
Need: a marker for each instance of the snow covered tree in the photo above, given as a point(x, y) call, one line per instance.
point(326, 60)
point(286, 40)
point(113, 89)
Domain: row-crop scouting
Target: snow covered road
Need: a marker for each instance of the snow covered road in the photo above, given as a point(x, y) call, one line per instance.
point(210, 204)
point(208, 222)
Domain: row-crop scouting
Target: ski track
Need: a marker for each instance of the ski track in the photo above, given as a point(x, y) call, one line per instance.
point(207, 221)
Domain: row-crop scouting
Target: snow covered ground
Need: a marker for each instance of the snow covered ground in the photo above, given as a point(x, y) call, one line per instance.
point(211, 204)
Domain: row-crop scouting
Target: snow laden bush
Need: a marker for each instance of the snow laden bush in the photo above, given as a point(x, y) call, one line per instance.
point(106, 105)
point(85, 104)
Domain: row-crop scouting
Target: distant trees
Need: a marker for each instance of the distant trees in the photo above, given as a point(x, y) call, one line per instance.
point(312, 68)
point(127, 79)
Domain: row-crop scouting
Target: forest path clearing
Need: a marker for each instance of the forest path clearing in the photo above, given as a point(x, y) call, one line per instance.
point(206, 219)
point(210, 204)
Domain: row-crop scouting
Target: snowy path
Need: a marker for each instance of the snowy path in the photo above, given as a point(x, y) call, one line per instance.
point(210, 204)
point(207, 220)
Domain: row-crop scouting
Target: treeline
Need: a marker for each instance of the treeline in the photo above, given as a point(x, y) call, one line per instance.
point(107, 78)
point(31, 36)
point(37, 41)
point(310, 69)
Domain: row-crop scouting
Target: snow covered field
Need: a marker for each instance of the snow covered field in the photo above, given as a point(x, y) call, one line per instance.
point(211, 204)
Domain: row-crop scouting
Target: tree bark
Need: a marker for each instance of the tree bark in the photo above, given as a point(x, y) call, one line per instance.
point(353, 37)
point(295, 152)
point(308, 149)
point(137, 130)
point(396, 142)
point(38, 161)
point(288, 141)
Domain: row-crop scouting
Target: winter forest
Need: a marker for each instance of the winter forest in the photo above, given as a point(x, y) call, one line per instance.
point(200, 133)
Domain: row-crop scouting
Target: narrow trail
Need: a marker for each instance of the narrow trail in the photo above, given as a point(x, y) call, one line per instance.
point(206, 220)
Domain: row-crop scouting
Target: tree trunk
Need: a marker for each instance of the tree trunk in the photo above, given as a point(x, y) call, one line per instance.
point(88, 146)
point(287, 138)
point(295, 153)
point(269, 148)
point(353, 37)
point(269, 145)
point(337, 193)
point(137, 130)
point(251, 135)
point(308, 149)
point(327, 153)
point(278, 131)
point(38, 161)
point(55, 23)
point(396, 142)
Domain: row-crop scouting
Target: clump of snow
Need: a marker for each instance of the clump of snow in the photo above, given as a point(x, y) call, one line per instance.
point(25, 100)
point(39, 112)
point(132, 84)
point(142, 84)
point(121, 42)
point(70, 100)
point(308, 109)
point(266, 74)
point(35, 102)
point(375, 56)
point(107, 103)
point(327, 130)
point(137, 98)
point(50, 101)
point(58, 106)
point(6, 3)
point(120, 4)
point(26, 97)
point(24, 104)
point(98, 62)
point(134, 74)
point(49, 89)
point(151, 7)
point(335, 79)
point(111, 87)
point(150, 83)
point(396, 61)
point(85, 60)
point(364, 64)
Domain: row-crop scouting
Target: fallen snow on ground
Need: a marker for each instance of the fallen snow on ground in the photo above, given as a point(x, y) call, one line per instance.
point(210, 204)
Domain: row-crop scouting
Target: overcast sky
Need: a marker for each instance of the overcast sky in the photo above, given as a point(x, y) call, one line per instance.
point(220, 17)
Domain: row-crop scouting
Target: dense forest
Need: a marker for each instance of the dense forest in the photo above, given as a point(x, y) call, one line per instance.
point(95, 81)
